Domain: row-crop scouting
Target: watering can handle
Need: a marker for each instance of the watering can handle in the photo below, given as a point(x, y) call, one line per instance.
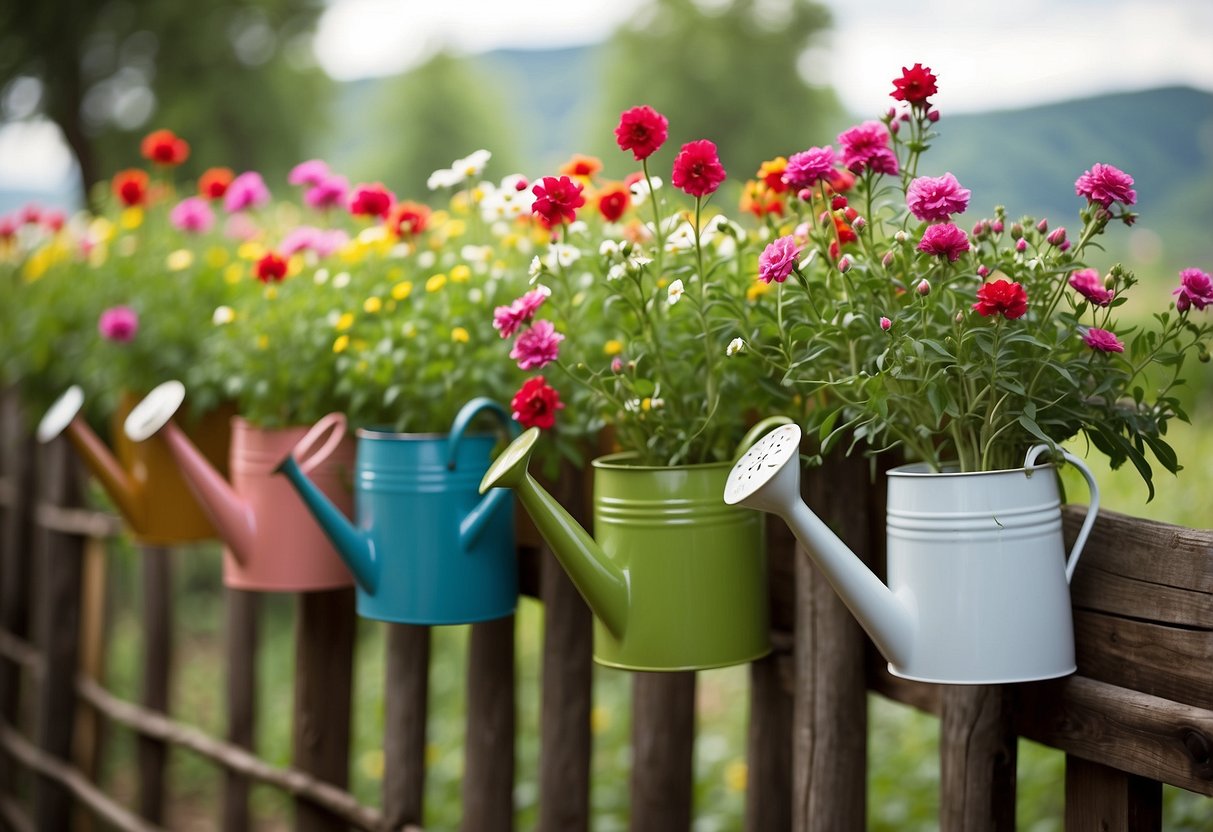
point(464, 418)
point(1092, 510)
point(758, 431)
point(335, 425)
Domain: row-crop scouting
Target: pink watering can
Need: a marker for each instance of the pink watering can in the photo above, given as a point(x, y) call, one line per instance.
point(273, 542)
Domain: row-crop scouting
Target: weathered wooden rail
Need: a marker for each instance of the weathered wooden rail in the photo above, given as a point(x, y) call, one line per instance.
point(1138, 713)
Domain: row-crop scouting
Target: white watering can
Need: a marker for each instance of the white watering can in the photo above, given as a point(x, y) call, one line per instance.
point(978, 579)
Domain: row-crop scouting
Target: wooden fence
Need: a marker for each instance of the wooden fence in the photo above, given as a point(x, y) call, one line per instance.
point(1138, 713)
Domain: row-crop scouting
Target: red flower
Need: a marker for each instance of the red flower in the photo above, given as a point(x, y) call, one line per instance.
point(213, 183)
point(556, 200)
point(408, 218)
point(54, 220)
point(164, 147)
point(1001, 298)
point(271, 267)
point(642, 130)
point(371, 200)
point(584, 167)
point(130, 186)
point(535, 405)
point(613, 200)
point(915, 85)
point(697, 169)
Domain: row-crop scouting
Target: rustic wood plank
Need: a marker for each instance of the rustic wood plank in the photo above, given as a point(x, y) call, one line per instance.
point(324, 660)
point(1128, 730)
point(978, 750)
point(59, 631)
point(663, 746)
point(1102, 799)
point(565, 746)
point(406, 698)
point(768, 806)
point(1168, 662)
point(241, 638)
point(1133, 547)
point(1100, 591)
point(488, 779)
point(152, 755)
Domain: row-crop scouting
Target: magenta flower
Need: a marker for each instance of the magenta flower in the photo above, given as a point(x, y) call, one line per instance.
point(1106, 184)
point(328, 193)
point(806, 169)
point(1195, 289)
point(192, 214)
point(507, 319)
point(247, 190)
point(1089, 284)
point(866, 147)
point(311, 173)
point(322, 241)
point(778, 260)
point(118, 323)
point(537, 347)
point(944, 240)
point(1102, 340)
point(932, 198)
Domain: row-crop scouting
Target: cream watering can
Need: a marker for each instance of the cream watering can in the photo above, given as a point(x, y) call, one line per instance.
point(978, 577)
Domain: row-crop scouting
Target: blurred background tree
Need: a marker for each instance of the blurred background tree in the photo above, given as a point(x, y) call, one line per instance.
point(236, 78)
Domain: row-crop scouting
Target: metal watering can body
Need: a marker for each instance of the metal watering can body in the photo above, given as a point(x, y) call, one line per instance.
point(677, 579)
point(425, 547)
point(273, 544)
point(978, 576)
point(142, 479)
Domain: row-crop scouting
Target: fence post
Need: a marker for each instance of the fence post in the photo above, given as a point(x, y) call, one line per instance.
point(1102, 799)
point(157, 591)
point(488, 781)
point(978, 750)
point(663, 746)
point(62, 557)
point(241, 635)
point(324, 670)
point(406, 701)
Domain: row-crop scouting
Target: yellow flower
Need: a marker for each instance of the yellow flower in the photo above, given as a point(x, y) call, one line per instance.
point(294, 265)
point(455, 228)
point(345, 321)
point(263, 341)
point(459, 335)
point(341, 343)
point(435, 283)
point(736, 775)
point(460, 273)
point(372, 305)
point(372, 234)
point(101, 230)
point(131, 218)
point(371, 763)
point(402, 290)
point(216, 257)
point(757, 289)
point(223, 315)
point(233, 274)
point(600, 719)
point(180, 259)
point(510, 240)
point(613, 347)
point(647, 404)
point(250, 251)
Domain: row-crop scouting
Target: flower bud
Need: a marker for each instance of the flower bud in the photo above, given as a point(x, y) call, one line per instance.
point(839, 201)
point(850, 213)
point(616, 365)
point(983, 272)
point(844, 264)
point(891, 114)
point(979, 228)
point(1065, 246)
point(1016, 231)
point(1057, 236)
point(860, 224)
point(1109, 282)
point(900, 236)
point(1042, 226)
point(887, 260)
point(997, 226)
point(886, 324)
point(805, 194)
point(924, 287)
point(1021, 245)
point(894, 127)
point(960, 317)
point(933, 116)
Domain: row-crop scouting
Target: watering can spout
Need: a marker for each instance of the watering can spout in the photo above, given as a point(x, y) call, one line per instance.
point(231, 516)
point(64, 417)
point(353, 545)
point(767, 478)
point(599, 580)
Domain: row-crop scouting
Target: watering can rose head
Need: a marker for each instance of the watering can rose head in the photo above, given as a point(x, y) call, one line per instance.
point(960, 341)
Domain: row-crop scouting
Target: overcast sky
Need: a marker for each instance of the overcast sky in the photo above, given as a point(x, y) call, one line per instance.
point(986, 55)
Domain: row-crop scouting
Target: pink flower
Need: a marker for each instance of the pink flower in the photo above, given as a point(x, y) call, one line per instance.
point(944, 240)
point(866, 147)
point(507, 319)
point(240, 227)
point(1106, 184)
point(1089, 284)
point(371, 200)
point(322, 241)
point(1102, 340)
point(192, 214)
point(697, 169)
point(641, 130)
point(327, 193)
point(311, 172)
point(778, 260)
point(118, 323)
point(1195, 289)
point(932, 198)
point(809, 167)
point(247, 190)
point(537, 347)
point(885, 324)
point(557, 200)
